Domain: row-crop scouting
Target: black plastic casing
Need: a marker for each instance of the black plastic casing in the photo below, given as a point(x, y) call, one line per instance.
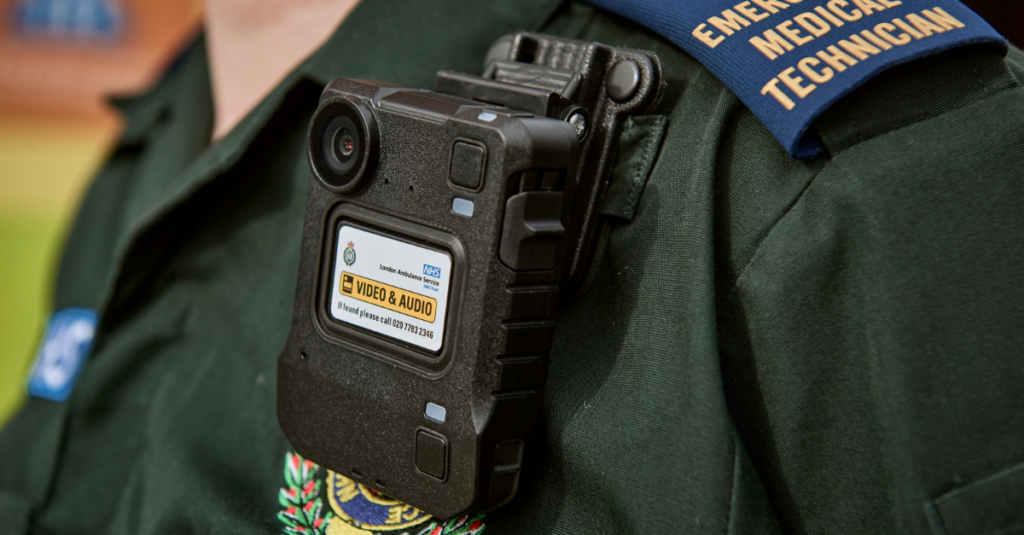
point(354, 400)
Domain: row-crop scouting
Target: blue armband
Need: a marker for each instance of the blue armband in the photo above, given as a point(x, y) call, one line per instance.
point(789, 60)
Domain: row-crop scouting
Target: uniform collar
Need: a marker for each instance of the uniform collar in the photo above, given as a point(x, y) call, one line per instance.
point(405, 41)
point(408, 41)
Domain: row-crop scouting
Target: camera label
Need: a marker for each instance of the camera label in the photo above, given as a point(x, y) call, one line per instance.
point(389, 297)
point(391, 287)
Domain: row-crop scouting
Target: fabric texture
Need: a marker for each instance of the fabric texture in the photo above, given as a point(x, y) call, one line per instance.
point(769, 345)
point(14, 513)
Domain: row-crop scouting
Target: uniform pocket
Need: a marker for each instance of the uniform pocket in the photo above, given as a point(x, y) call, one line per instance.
point(991, 506)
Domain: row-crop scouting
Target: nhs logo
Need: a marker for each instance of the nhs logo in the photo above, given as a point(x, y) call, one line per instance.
point(62, 355)
point(431, 271)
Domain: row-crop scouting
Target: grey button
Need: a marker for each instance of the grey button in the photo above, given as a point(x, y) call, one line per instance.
point(467, 167)
point(431, 454)
point(532, 230)
point(508, 455)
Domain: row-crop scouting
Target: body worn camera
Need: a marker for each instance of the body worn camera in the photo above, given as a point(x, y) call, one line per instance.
point(440, 228)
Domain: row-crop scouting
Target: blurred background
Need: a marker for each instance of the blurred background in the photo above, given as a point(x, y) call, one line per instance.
point(59, 61)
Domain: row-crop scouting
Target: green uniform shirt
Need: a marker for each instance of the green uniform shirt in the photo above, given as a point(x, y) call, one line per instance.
point(770, 345)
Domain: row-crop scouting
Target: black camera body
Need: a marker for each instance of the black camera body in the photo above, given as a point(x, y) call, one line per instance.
point(434, 245)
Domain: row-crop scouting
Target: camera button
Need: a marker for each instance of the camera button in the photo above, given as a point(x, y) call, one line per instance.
point(508, 455)
point(532, 230)
point(431, 454)
point(467, 167)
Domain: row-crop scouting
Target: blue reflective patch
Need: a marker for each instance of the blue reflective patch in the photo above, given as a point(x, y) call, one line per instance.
point(462, 207)
point(435, 412)
point(65, 347)
point(788, 61)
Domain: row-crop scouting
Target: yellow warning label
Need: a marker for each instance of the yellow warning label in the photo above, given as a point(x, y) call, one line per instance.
point(389, 297)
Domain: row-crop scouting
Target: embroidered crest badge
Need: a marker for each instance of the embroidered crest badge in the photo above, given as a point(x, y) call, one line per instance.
point(355, 509)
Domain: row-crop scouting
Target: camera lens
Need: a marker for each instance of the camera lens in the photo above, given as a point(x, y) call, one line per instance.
point(346, 145)
point(342, 144)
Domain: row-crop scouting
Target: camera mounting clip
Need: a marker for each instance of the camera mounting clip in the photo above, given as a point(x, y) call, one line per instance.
point(592, 86)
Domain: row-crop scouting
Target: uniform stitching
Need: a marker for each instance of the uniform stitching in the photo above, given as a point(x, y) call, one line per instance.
point(651, 126)
point(760, 244)
point(732, 495)
point(629, 210)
